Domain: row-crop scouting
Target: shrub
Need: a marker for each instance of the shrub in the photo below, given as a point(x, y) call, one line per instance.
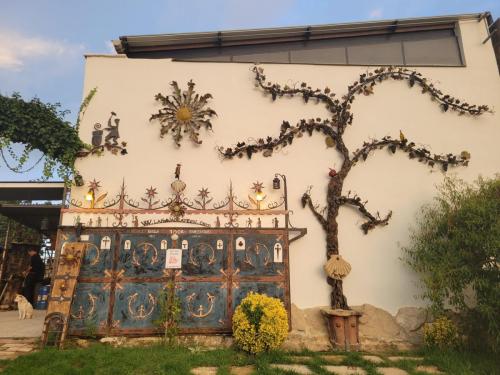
point(455, 250)
point(260, 323)
point(442, 334)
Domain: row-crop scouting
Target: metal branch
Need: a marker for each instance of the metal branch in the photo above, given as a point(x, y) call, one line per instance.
point(419, 153)
point(307, 201)
point(368, 80)
point(373, 220)
point(277, 91)
point(287, 134)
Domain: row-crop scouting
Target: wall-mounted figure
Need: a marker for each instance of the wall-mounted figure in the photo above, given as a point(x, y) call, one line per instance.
point(111, 140)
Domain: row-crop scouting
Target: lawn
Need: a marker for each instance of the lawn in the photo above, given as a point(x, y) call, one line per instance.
point(102, 360)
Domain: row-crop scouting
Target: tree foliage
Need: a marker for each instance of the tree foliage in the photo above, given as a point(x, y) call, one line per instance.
point(17, 232)
point(455, 249)
point(39, 126)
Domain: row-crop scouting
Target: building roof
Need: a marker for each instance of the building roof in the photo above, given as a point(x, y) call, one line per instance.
point(31, 191)
point(33, 216)
point(133, 44)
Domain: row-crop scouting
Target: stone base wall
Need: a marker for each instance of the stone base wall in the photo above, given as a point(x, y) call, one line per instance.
point(378, 329)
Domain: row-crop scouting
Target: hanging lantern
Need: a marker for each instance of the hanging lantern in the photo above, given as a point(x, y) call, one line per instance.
point(276, 183)
point(337, 268)
point(79, 180)
point(44, 224)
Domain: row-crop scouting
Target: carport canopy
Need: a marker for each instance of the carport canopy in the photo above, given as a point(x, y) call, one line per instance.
point(31, 214)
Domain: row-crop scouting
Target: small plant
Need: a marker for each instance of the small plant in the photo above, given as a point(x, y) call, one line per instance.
point(260, 323)
point(170, 313)
point(90, 324)
point(442, 334)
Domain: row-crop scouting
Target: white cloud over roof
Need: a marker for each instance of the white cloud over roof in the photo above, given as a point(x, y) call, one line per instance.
point(17, 50)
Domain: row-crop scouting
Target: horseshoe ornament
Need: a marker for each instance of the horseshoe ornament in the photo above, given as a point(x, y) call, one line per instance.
point(80, 315)
point(140, 313)
point(146, 246)
point(201, 247)
point(97, 257)
point(200, 310)
point(257, 249)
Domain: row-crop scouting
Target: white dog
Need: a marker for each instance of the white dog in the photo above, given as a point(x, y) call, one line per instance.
point(24, 307)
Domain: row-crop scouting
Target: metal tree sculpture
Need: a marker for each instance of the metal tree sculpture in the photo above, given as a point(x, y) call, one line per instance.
point(333, 130)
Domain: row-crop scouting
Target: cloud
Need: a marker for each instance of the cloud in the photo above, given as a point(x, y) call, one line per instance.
point(110, 48)
point(375, 13)
point(17, 50)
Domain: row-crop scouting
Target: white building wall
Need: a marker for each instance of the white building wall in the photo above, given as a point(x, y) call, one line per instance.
point(379, 277)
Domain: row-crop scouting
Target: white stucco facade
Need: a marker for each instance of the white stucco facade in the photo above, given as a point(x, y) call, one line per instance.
point(389, 182)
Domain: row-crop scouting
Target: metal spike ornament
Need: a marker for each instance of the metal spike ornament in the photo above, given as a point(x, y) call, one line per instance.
point(177, 209)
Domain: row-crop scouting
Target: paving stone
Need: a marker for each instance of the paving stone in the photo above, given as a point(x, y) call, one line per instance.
point(373, 358)
point(22, 349)
point(242, 370)
point(9, 355)
point(345, 370)
point(333, 358)
point(204, 371)
point(403, 358)
point(391, 371)
point(299, 369)
point(429, 369)
point(15, 344)
point(300, 358)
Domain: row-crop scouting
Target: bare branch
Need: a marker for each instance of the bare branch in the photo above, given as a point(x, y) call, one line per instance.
point(307, 201)
point(419, 153)
point(373, 220)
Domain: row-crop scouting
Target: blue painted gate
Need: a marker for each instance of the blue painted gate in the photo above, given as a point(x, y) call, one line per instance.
point(123, 273)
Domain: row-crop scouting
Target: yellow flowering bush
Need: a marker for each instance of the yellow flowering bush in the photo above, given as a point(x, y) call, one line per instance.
point(260, 323)
point(441, 334)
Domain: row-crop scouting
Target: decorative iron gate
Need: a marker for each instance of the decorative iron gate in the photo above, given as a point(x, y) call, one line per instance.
point(123, 273)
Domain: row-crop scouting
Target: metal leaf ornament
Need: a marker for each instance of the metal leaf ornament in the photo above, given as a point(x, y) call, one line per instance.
point(184, 112)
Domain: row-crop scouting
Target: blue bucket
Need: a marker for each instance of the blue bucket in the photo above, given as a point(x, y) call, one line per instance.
point(43, 295)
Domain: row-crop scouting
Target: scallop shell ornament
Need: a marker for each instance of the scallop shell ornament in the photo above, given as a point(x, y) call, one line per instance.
point(178, 186)
point(337, 268)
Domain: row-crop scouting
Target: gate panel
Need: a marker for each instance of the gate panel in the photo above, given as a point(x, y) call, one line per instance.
point(136, 306)
point(89, 309)
point(261, 254)
point(98, 256)
point(203, 305)
point(142, 255)
point(203, 255)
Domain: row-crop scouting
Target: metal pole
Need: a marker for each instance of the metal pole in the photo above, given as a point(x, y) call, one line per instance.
point(4, 255)
point(285, 193)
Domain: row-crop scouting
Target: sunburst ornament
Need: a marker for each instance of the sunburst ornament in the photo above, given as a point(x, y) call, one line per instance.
point(184, 112)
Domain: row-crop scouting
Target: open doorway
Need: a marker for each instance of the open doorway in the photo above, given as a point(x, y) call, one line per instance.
point(29, 217)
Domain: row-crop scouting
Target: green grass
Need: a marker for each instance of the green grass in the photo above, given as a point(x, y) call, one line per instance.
point(103, 360)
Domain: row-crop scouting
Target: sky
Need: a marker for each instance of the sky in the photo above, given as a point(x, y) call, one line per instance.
point(42, 42)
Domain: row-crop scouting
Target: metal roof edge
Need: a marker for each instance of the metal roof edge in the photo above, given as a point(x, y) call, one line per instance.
point(155, 42)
